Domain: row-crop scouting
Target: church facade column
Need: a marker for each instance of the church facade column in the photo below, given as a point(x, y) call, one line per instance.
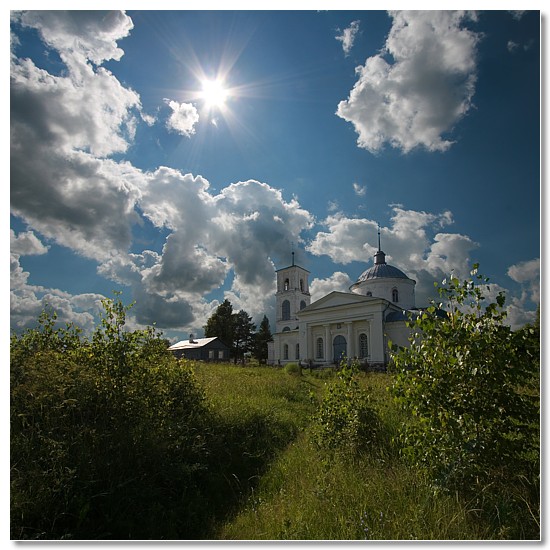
point(328, 344)
point(351, 348)
point(377, 353)
point(309, 352)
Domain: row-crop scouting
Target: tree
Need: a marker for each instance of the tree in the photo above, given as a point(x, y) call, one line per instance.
point(221, 324)
point(243, 336)
point(469, 384)
point(262, 337)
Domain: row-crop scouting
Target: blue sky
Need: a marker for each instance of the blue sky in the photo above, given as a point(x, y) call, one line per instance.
point(126, 175)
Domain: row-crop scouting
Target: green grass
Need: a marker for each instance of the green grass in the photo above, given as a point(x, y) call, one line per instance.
point(305, 495)
point(258, 475)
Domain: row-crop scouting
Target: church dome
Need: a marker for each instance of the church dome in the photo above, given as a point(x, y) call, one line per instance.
point(385, 281)
point(381, 271)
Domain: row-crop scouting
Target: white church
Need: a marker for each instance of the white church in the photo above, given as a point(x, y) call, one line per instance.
point(352, 325)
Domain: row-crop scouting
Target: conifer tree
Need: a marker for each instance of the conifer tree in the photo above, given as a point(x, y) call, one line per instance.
point(262, 337)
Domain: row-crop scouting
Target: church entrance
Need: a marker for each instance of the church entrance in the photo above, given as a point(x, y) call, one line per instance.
point(340, 349)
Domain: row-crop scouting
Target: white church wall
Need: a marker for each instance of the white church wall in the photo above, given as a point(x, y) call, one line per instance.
point(398, 333)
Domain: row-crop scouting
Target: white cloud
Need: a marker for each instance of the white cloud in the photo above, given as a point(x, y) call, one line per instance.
point(97, 31)
point(347, 239)
point(359, 190)
point(347, 36)
point(412, 243)
point(527, 274)
point(427, 87)
point(26, 244)
point(240, 229)
point(183, 118)
point(338, 281)
point(63, 127)
point(28, 301)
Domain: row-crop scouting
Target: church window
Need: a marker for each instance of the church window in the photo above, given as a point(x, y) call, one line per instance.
point(285, 310)
point(301, 285)
point(369, 293)
point(297, 351)
point(302, 304)
point(395, 295)
point(287, 284)
point(285, 352)
point(320, 349)
point(286, 329)
point(363, 346)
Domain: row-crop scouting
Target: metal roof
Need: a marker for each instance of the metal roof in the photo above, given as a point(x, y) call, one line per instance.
point(194, 344)
point(381, 271)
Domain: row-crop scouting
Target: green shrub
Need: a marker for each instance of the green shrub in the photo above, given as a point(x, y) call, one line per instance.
point(345, 422)
point(105, 442)
point(293, 368)
point(466, 382)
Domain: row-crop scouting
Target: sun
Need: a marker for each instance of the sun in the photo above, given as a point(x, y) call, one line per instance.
point(214, 93)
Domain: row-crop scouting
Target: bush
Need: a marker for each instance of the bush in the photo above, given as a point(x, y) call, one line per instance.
point(345, 422)
point(467, 382)
point(107, 436)
point(293, 368)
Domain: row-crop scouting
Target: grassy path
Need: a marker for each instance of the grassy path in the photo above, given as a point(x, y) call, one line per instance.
point(302, 494)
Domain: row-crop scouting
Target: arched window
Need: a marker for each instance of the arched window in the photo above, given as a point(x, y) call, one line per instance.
point(285, 310)
point(369, 293)
point(285, 352)
point(302, 304)
point(287, 284)
point(301, 285)
point(363, 346)
point(395, 295)
point(320, 349)
point(297, 352)
point(286, 329)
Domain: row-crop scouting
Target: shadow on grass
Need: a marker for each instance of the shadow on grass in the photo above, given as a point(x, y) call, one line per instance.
point(166, 498)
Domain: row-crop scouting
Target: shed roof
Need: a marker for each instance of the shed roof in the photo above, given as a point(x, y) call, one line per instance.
point(194, 344)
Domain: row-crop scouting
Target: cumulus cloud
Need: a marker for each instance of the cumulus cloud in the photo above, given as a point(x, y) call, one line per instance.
point(27, 301)
point(414, 239)
point(346, 240)
point(338, 281)
point(91, 35)
point(26, 244)
point(347, 36)
point(527, 274)
point(239, 230)
point(415, 91)
point(63, 127)
point(183, 118)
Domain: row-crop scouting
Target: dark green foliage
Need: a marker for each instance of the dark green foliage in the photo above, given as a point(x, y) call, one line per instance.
point(243, 336)
point(236, 330)
point(113, 438)
point(102, 433)
point(470, 385)
point(220, 324)
point(262, 337)
point(345, 422)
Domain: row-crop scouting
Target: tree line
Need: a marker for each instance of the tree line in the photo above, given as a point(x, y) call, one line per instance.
point(237, 331)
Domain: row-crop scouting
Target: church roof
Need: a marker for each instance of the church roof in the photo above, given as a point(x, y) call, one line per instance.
point(381, 271)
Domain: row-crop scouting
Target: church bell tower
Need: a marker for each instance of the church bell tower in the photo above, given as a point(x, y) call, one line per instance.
point(292, 295)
